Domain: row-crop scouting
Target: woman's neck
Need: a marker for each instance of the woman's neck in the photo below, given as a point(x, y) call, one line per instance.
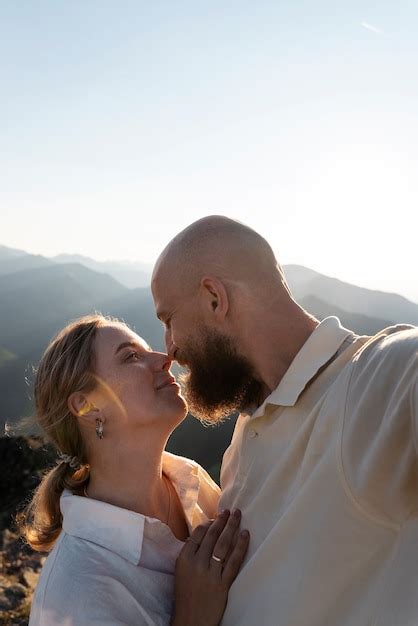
point(128, 475)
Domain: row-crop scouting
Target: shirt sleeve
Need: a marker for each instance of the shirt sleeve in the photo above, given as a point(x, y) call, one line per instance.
point(72, 617)
point(82, 589)
point(209, 493)
point(379, 439)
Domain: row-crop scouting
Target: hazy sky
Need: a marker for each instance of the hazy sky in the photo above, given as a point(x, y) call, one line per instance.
point(121, 122)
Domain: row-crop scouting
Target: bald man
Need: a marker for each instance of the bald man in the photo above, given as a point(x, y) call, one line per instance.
point(323, 462)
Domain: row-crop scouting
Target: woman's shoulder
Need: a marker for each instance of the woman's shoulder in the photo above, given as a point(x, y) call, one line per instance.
point(82, 583)
point(198, 492)
point(180, 466)
point(69, 557)
point(57, 582)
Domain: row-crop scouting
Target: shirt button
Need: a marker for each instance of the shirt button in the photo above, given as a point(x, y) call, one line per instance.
point(252, 434)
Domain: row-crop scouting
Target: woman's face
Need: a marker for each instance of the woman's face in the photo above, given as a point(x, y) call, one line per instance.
point(135, 387)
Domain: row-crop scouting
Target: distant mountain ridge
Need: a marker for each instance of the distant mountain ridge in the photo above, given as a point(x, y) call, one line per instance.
point(42, 297)
point(350, 298)
point(362, 324)
point(13, 260)
point(38, 296)
point(130, 274)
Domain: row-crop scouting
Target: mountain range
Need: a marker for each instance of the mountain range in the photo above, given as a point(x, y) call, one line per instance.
point(39, 295)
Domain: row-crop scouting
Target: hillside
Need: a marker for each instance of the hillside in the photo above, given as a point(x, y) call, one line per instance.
point(12, 260)
point(129, 274)
point(305, 282)
point(37, 301)
point(22, 462)
point(5, 356)
point(361, 324)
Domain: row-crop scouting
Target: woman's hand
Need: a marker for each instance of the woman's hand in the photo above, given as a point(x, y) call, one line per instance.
point(206, 568)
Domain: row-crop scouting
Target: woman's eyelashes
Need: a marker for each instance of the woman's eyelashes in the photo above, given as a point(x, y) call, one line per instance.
point(137, 355)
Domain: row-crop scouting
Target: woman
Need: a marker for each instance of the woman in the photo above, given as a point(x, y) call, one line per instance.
point(119, 514)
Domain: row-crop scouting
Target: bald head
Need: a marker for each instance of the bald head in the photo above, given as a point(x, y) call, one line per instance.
point(221, 247)
point(228, 314)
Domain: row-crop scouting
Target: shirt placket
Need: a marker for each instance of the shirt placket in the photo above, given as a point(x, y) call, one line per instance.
point(253, 441)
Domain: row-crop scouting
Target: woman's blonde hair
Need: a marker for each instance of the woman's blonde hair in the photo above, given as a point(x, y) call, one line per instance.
point(67, 366)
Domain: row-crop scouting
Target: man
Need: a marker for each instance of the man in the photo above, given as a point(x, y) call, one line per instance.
point(323, 462)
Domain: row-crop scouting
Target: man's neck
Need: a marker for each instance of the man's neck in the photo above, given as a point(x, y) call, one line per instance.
point(276, 345)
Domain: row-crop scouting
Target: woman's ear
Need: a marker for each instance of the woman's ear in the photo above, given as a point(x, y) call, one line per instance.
point(215, 297)
point(80, 406)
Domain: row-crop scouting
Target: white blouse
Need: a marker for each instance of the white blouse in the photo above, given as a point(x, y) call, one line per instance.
point(111, 566)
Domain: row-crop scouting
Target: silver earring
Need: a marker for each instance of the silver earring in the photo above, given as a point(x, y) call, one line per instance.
point(99, 428)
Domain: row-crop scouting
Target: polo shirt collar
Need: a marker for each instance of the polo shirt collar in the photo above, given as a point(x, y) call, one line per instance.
point(317, 350)
point(122, 531)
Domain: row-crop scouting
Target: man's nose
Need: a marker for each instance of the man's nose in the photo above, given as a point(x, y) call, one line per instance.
point(169, 344)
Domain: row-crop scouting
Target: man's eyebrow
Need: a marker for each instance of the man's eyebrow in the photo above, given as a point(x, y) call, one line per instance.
point(127, 344)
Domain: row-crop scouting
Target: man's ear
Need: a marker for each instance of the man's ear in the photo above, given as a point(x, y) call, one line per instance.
point(80, 406)
point(215, 297)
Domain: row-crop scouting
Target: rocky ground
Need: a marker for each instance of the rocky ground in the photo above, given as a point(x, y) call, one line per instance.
point(22, 462)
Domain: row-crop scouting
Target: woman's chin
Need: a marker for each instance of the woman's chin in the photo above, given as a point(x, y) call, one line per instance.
point(175, 408)
point(183, 409)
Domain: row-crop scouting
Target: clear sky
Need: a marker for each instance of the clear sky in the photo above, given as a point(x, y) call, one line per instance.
point(121, 122)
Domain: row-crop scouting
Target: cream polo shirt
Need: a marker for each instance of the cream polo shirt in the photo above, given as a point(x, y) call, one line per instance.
point(111, 566)
point(326, 475)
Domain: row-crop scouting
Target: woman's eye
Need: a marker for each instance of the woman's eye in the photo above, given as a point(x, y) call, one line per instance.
point(132, 356)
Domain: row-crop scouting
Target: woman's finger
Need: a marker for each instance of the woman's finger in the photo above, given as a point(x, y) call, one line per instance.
point(225, 541)
point(236, 558)
point(211, 537)
point(193, 542)
point(233, 543)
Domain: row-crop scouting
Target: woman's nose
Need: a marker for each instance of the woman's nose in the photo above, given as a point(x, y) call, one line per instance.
point(164, 361)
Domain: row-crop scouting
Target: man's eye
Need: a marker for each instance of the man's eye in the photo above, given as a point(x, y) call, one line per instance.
point(132, 356)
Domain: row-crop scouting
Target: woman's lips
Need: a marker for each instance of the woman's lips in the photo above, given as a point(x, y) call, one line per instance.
point(167, 383)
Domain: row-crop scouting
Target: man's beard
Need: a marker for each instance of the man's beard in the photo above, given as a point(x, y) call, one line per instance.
point(219, 381)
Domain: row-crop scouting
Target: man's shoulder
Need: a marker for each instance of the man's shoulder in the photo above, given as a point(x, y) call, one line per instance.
point(390, 343)
point(378, 432)
point(386, 356)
